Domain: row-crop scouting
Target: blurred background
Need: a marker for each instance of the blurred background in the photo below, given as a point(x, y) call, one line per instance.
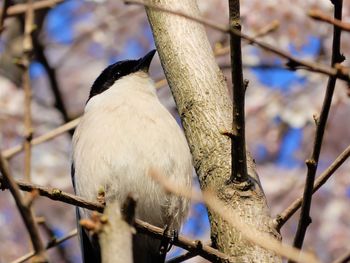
point(75, 40)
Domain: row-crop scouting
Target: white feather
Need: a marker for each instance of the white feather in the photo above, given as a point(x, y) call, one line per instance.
point(125, 132)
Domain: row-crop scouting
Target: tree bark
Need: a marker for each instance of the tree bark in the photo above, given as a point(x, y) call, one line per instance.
point(116, 237)
point(203, 103)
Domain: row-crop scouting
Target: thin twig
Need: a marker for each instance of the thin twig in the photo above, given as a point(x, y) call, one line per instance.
point(292, 61)
point(22, 8)
point(318, 15)
point(283, 217)
point(3, 13)
point(312, 163)
point(27, 53)
point(26, 213)
point(267, 29)
point(58, 195)
point(238, 148)
point(42, 138)
point(61, 251)
point(51, 244)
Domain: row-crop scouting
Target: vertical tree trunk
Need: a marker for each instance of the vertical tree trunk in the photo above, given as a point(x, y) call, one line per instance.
point(203, 102)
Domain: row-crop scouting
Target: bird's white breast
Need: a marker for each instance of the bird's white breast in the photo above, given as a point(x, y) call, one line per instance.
point(125, 132)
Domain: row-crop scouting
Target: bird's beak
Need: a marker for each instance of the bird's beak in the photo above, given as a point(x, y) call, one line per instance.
point(145, 62)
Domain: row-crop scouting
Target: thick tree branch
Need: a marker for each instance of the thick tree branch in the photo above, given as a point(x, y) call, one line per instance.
point(238, 148)
point(312, 163)
point(283, 217)
point(205, 108)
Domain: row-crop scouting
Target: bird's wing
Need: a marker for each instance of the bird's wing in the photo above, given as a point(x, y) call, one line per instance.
point(89, 247)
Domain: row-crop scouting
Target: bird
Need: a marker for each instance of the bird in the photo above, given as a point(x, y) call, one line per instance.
point(124, 134)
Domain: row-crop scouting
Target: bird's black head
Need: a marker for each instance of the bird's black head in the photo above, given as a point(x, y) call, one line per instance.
point(118, 70)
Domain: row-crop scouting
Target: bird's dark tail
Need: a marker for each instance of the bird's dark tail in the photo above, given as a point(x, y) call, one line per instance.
point(146, 249)
point(90, 248)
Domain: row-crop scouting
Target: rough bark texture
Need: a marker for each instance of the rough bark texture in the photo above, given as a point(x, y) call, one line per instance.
point(203, 102)
point(116, 237)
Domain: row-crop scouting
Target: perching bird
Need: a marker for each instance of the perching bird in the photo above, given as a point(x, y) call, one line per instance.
point(124, 134)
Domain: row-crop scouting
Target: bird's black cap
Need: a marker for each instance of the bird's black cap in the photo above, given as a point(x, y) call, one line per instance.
point(118, 70)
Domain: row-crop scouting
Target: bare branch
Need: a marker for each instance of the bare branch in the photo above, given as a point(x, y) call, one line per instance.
point(58, 195)
point(27, 54)
point(249, 232)
point(61, 250)
point(312, 163)
point(42, 138)
point(318, 15)
point(22, 8)
point(293, 62)
point(283, 217)
point(267, 29)
point(238, 147)
point(195, 246)
point(51, 244)
point(26, 213)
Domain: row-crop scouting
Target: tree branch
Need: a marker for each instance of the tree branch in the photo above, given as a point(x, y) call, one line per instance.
point(194, 246)
point(26, 59)
point(205, 108)
point(52, 243)
point(293, 62)
point(250, 233)
point(238, 148)
point(319, 16)
point(283, 217)
point(42, 138)
point(204, 251)
point(312, 163)
point(22, 8)
point(25, 211)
